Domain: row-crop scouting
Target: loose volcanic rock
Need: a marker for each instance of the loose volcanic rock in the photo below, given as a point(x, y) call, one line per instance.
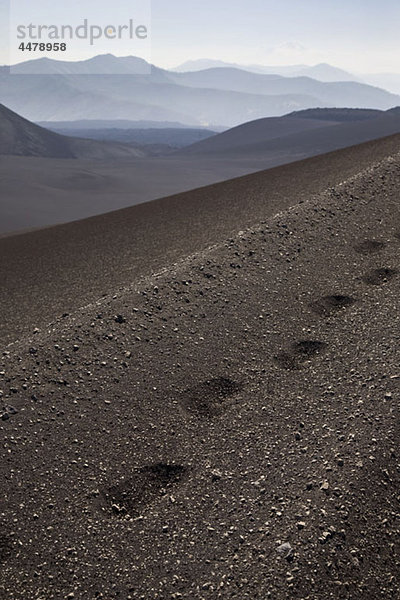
point(211, 431)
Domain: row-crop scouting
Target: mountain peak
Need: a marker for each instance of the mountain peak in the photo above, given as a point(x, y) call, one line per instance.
point(101, 64)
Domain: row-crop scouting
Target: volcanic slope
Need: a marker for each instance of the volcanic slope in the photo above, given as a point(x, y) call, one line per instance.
point(227, 428)
point(50, 272)
point(302, 134)
point(20, 137)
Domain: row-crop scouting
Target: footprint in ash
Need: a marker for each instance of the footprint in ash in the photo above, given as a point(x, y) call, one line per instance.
point(211, 398)
point(300, 353)
point(127, 499)
point(369, 247)
point(329, 305)
point(379, 276)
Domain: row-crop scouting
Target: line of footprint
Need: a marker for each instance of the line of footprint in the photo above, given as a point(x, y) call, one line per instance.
point(303, 351)
point(209, 399)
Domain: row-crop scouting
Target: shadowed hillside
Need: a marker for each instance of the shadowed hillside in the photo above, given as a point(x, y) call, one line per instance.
point(303, 133)
point(20, 137)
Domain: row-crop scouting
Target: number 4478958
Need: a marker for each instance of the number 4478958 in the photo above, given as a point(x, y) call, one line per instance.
point(42, 47)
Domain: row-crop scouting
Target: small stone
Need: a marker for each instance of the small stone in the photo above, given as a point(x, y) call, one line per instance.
point(301, 525)
point(326, 534)
point(285, 550)
point(216, 475)
point(325, 537)
point(119, 319)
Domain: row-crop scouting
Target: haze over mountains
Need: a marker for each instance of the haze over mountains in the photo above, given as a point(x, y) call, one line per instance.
point(389, 81)
point(322, 71)
point(217, 96)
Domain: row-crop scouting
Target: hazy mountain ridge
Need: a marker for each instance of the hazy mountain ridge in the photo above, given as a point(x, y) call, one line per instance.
point(227, 96)
point(321, 72)
point(333, 93)
point(59, 98)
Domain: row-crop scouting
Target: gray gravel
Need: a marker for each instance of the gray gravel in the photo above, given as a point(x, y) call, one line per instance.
point(221, 430)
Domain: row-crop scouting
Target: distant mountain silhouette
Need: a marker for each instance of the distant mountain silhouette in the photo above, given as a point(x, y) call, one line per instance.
point(98, 65)
point(212, 97)
point(321, 72)
point(351, 94)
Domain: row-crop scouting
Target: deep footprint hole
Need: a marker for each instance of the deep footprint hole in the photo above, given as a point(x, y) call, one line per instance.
point(331, 304)
point(369, 247)
point(379, 276)
point(127, 499)
point(212, 397)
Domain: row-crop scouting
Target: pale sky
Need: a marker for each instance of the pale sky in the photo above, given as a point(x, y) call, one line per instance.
point(361, 36)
